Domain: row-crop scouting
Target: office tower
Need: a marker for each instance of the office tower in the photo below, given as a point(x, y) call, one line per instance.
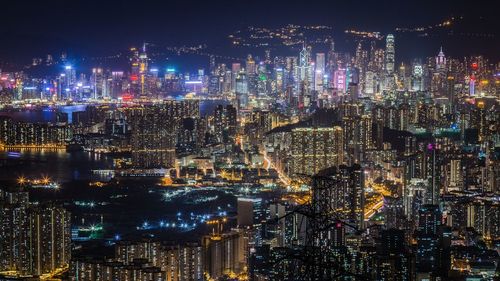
point(235, 68)
point(291, 227)
point(153, 138)
point(340, 80)
point(314, 149)
point(304, 76)
point(331, 58)
point(117, 79)
point(417, 83)
point(34, 239)
point(98, 83)
point(241, 90)
point(135, 72)
point(370, 86)
point(224, 254)
point(143, 69)
point(250, 65)
point(320, 72)
point(389, 54)
point(441, 61)
point(249, 211)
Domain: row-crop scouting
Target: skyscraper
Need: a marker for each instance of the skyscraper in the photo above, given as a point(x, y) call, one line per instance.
point(241, 90)
point(389, 54)
point(320, 72)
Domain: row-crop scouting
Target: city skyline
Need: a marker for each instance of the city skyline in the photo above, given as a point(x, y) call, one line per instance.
point(94, 29)
point(250, 141)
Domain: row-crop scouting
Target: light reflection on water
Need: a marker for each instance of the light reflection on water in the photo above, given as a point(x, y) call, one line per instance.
point(60, 165)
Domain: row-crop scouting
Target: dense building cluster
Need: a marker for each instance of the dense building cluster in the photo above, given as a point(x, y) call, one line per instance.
point(34, 239)
point(345, 165)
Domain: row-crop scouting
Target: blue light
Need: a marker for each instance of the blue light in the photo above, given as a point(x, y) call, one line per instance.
point(13, 154)
point(117, 237)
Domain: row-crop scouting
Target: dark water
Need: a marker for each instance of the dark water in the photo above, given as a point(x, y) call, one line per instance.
point(60, 165)
point(123, 206)
point(47, 114)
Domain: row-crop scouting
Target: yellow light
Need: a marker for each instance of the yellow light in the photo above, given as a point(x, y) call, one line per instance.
point(21, 180)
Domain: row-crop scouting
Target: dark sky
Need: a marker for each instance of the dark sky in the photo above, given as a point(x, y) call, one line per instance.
point(30, 28)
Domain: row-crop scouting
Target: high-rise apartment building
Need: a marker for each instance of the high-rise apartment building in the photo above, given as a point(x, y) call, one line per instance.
point(34, 239)
point(314, 149)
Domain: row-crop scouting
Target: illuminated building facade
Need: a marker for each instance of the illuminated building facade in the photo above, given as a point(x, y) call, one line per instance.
point(224, 254)
point(153, 138)
point(314, 149)
point(34, 239)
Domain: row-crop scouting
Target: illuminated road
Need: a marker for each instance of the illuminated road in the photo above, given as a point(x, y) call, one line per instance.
point(374, 209)
point(284, 178)
point(380, 191)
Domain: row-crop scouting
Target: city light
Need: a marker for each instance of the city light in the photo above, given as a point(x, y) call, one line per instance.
point(259, 151)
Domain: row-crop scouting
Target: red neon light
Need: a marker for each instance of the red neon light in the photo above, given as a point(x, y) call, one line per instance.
point(127, 97)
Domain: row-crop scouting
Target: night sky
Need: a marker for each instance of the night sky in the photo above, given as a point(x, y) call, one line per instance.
point(35, 28)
